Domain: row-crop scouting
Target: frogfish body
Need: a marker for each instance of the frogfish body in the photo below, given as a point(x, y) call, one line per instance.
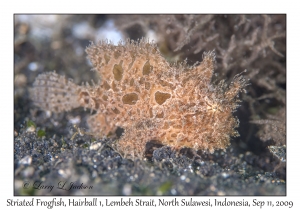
point(149, 98)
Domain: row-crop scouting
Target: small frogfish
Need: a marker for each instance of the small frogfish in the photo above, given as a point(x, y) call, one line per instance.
point(151, 99)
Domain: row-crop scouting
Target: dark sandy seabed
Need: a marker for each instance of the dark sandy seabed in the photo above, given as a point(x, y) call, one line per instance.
point(45, 155)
